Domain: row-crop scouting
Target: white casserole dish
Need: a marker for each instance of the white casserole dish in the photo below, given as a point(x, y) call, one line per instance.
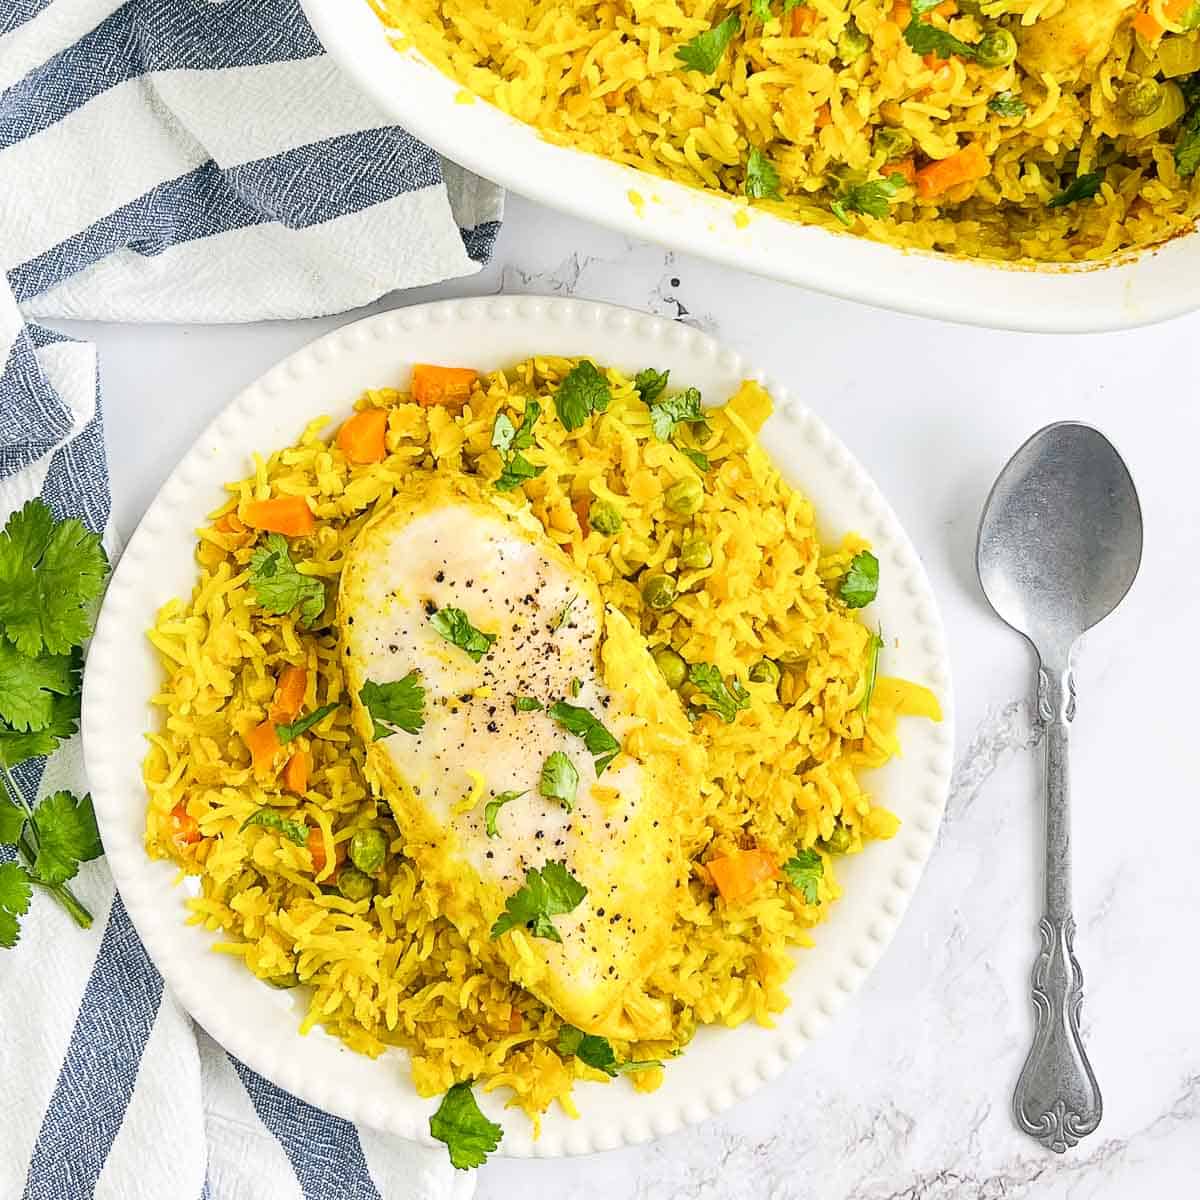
point(1134, 290)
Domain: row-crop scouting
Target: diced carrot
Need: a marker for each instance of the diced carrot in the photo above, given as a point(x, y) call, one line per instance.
point(1147, 24)
point(316, 847)
point(966, 164)
point(803, 19)
point(263, 743)
point(289, 515)
point(900, 166)
point(442, 385)
point(515, 1021)
point(289, 695)
point(295, 772)
point(946, 9)
point(362, 437)
point(185, 829)
point(582, 507)
point(229, 523)
point(901, 13)
point(736, 875)
point(824, 116)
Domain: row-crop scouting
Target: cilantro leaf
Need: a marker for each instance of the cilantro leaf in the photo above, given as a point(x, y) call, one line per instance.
point(279, 587)
point(726, 699)
point(1187, 144)
point(515, 472)
point(546, 893)
point(700, 461)
point(66, 836)
point(1082, 187)
point(28, 686)
point(872, 198)
point(510, 439)
point(803, 871)
point(559, 780)
point(527, 704)
point(583, 724)
point(874, 646)
point(12, 821)
point(762, 180)
point(10, 930)
point(491, 810)
point(288, 733)
point(583, 391)
point(16, 747)
point(706, 50)
point(650, 384)
point(398, 705)
point(469, 1135)
point(861, 584)
point(503, 432)
point(51, 575)
point(1005, 104)
point(268, 818)
point(761, 9)
point(454, 625)
point(15, 889)
point(596, 1052)
point(683, 407)
point(924, 38)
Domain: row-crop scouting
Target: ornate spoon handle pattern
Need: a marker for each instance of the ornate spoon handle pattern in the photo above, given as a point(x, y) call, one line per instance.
point(1057, 1100)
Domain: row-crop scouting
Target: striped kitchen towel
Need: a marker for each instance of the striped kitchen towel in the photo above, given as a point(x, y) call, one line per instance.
point(174, 160)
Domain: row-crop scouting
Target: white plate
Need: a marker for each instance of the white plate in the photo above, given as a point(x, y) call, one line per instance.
point(1135, 291)
point(260, 1025)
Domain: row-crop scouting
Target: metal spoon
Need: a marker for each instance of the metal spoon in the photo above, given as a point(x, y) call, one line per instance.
point(1059, 546)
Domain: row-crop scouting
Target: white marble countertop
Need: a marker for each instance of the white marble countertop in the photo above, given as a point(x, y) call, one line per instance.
point(908, 1094)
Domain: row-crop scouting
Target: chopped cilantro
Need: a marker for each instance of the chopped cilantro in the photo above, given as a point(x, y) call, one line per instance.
point(1082, 187)
point(559, 779)
point(268, 818)
point(398, 705)
point(546, 893)
point(563, 615)
point(700, 461)
point(872, 198)
point(650, 384)
point(287, 733)
point(516, 471)
point(1187, 144)
point(874, 646)
point(491, 810)
point(803, 871)
point(527, 704)
point(682, 408)
point(454, 625)
point(279, 587)
point(861, 584)
point(705, 51)
point(510, 440)
point(583, 391)
point(576, 686)
point(469, 1135)
point(924, 38)
point(582, 724)
point(596, 1052)
point(51, 575)
point(725, 699)
point(1005, 104)
point(762, 180)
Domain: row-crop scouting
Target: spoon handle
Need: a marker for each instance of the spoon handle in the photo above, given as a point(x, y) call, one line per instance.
point(1057, 1100)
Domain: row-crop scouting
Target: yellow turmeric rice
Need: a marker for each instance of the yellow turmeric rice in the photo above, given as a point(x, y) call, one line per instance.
point(382, 964)
point(1020, 130)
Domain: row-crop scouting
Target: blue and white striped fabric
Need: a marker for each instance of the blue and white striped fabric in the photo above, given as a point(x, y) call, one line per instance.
point(173, 160)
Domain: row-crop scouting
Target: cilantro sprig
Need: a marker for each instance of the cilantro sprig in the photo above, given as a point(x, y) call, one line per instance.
point(52, 574)
point(597, 1052)
point(579, 721)
point(705, 51)
point(491, 810)
point(584, 390)
point(559, 780)
point(547, 893)
point(924, 38)
point(804, 871)
point(762, 180)
point(393, 706)
point(725, 699)
point(279, 587)
point(455, 626)
point(861, 584)
point(683, 408)
point(872, 198)
point(510, 440)
point(1082, 187)
point(469, 1135)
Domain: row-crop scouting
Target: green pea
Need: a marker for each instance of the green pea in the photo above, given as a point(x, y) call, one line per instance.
point(354, 884)
point(852, 44)
point(685, 497)
point(604, 517)
point(672, 666)
point(765, 671)
point(997, 48)
point(659, 591)
point(838, 842)
point(892, 142)
point(696, 552)
point(368, 849)
point(1142, 98)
